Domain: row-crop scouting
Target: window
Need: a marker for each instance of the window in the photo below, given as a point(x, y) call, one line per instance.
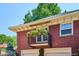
point(41, 38)
point(45, 37)
point(66, 29)
point(38, 38)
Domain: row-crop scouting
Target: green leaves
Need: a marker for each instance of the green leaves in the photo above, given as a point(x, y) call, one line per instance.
point(34, 33)
point(7, 39)
point(3, 38)
point(11, 40)
point(28, 17)
point(43, 10)
point(41, 31)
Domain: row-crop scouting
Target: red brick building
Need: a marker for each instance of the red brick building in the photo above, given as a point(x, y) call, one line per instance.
point(62, 37)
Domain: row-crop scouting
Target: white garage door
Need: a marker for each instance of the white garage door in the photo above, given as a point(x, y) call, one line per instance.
point(30, 52)
point(57, 52)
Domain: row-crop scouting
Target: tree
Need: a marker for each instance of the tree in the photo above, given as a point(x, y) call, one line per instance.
point(43, 10)
point(28, 17)
point(11, 40)
point(7, 39)
point(3, 38)
point(10, 51)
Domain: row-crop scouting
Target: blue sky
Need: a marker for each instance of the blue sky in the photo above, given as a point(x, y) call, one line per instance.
point(13, 14)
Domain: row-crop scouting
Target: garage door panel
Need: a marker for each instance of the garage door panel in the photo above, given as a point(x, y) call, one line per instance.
point(30, 52)
point(57, 52)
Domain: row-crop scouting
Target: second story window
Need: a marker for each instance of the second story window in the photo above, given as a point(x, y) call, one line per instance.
point(42, 38)
point(66, 29)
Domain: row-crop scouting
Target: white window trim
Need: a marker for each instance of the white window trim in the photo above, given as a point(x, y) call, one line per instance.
point(42, 41)
point(67, 34)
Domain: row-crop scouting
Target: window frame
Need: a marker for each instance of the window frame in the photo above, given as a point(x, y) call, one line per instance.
point(42, 41)
point(66, 34)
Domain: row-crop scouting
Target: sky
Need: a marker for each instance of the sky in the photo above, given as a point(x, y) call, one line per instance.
point(13, 14)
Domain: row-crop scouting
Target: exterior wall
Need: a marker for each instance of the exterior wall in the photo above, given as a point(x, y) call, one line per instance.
point(66, 41)
point(57, 41)
point(22, 41)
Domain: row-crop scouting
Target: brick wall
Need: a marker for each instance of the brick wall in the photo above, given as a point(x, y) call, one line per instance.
point(22, 41)
point(57, 41)
point(66, 41)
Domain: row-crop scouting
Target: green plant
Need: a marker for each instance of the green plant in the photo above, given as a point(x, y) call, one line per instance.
point(34, 33)
point(41, 31)
point(7, 39)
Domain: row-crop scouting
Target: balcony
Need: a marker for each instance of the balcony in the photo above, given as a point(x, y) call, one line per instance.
point(41, 40)
point(39, 37)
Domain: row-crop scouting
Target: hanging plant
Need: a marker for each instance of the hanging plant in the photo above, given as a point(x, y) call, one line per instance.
point(34, 33)
point(45, 32)
point(41, 31)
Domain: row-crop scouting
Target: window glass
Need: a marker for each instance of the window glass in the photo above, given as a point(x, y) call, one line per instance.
point(67, 31)
point(38, 38)
point(45, 37)
point(42, 38)
point(66, 28)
